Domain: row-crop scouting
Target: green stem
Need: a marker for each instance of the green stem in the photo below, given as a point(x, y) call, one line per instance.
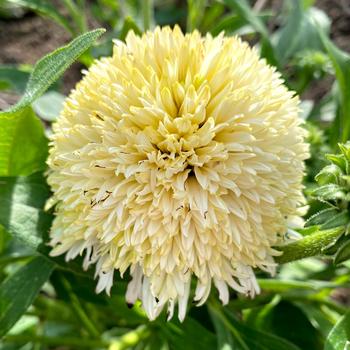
point(309, 246)
point(80, 312)
point(57, 341)
point(130, 339)
point(283, 285)
point(314, 299)
point(147, 14)
point(216, 309)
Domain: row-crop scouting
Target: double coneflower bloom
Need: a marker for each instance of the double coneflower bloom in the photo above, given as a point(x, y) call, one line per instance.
point(179, 158)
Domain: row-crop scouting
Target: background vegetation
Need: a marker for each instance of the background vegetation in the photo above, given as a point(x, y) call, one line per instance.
point(46, 303)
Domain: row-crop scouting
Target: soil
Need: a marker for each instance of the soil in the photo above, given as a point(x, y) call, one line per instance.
point(27, 39)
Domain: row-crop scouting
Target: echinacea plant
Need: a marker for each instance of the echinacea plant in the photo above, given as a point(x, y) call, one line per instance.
point(172, 177)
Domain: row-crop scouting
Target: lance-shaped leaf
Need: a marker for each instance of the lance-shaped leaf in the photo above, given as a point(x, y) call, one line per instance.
point(52, 66)
point(19, 290)
point(339, 337)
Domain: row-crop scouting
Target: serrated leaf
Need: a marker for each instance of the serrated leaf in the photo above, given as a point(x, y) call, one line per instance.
point(19, 290)
point(340, 219)
point(339, 160)
point(339, 337)
point(321, 217)
point(330, 174)
point(52, 66)
point(345, 149)
point(332, 248)
point(329, 192)
point(23, 145)
point(343, 253)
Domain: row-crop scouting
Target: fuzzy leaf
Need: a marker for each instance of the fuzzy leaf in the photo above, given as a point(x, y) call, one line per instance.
point(339, 160)
point(52, 66)
point(329, 192)
point(330, 174)
point(321, 217)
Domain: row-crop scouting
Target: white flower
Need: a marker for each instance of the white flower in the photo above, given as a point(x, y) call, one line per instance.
point(178, 157)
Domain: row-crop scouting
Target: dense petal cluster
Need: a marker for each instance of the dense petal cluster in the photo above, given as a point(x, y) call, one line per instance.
point(179, 158)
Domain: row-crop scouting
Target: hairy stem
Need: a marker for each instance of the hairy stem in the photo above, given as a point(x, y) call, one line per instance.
point(309, 246)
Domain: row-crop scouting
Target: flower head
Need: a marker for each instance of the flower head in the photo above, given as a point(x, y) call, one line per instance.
point(180, 157)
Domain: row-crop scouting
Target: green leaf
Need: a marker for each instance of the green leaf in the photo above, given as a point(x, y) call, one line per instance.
point(23, 145)
point(259, 340)
point(320, 319)
point(321, 217)
point(182, 336)
point(339, 337)
point(345, 150)
point(49, 106)
point(301, 31)
point(341, 64)
point(329, 174)
point(44, 8)
point(128, 25)
point(339, 160)
point(229, 24)
point(14, 78)
point(343, 253)
point(243, 9)
point(277, 319)
point(21, 200)
point(19, 290)
point(195, 13)
point(340, 219)
point(329, 192)
point(224, 337)
point(52, 66)
point(21, 214)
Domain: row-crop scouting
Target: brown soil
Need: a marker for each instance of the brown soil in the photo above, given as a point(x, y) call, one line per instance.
point(339, 12)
